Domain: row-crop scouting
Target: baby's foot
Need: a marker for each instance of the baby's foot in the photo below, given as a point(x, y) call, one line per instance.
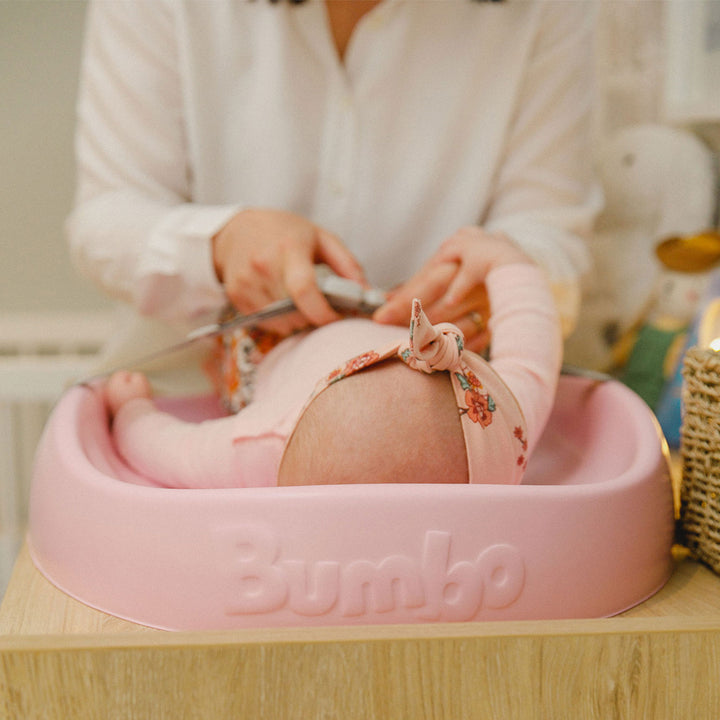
point(124, 386)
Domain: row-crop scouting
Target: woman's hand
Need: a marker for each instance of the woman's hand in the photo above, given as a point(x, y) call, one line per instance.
point(264, 255)
point(451, 284)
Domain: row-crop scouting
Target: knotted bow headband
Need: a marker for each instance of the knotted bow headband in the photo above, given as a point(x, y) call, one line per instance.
point(493, 425)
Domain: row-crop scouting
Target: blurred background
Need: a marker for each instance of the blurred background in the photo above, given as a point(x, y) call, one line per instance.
point(40, 45)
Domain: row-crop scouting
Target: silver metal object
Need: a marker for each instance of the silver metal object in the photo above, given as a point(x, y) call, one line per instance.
point(575, 371)
point(344, 295)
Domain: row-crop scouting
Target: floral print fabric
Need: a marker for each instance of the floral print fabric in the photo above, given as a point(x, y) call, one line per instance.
point(481, 402)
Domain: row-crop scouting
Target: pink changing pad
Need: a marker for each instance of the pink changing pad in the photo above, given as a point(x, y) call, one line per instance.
point(587, 534)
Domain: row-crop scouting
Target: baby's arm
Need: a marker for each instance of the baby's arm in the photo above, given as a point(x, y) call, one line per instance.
point(526, 350)
point(526, 346)
point(159, 446)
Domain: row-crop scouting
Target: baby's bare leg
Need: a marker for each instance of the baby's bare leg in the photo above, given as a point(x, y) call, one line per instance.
point(386, 424)
point(124, 386)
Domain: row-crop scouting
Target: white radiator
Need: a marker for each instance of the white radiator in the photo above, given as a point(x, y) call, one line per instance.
point(39, 355)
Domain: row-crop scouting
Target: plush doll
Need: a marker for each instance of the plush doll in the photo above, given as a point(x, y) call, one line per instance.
point(658, 182)
point(704, 332)
point(656, 347)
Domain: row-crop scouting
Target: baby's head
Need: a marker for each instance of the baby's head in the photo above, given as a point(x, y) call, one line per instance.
point(385, 424)
point(423, 412)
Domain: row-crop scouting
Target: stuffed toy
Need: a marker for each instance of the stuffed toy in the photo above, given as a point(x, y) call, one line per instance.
point(658, 182)
point(654, 350)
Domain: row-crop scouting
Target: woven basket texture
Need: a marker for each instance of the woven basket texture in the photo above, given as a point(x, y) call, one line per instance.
point(700, 452)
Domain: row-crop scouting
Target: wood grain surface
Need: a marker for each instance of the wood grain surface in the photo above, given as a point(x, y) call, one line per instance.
point(60, 659)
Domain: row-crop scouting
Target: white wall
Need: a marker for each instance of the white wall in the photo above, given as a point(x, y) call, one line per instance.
point(39, 54)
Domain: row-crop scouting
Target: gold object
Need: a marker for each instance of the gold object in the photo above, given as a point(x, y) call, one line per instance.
point(690, 253)
point(478, 320)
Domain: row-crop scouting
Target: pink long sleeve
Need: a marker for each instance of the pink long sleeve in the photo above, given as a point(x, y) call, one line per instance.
point(526, 340)
point(180, 454)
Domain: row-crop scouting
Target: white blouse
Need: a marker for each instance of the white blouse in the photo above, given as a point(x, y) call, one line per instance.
point(444, 113)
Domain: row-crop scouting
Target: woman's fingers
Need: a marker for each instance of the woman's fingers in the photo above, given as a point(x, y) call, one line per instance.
point(474, 327)
point(475, 303)
point(331, 251)
point(429, 285)
point(301, 283)
point(265, 255)
point(470, 310)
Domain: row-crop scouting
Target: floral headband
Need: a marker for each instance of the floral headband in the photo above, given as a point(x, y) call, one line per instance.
point(493, 424)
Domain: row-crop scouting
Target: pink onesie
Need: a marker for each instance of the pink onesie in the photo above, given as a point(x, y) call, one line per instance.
point(245, 450)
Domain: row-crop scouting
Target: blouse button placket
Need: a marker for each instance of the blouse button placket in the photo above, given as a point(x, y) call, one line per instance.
point(338, 162)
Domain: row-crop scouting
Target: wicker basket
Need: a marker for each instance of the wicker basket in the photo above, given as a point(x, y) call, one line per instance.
point(700, 449)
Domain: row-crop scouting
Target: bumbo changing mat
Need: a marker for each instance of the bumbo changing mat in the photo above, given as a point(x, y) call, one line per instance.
point(587, 534)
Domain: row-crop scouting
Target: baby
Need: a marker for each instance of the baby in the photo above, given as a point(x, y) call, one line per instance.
point(360, 402)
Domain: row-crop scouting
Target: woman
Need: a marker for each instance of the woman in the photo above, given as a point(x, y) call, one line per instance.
point(225, 147)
